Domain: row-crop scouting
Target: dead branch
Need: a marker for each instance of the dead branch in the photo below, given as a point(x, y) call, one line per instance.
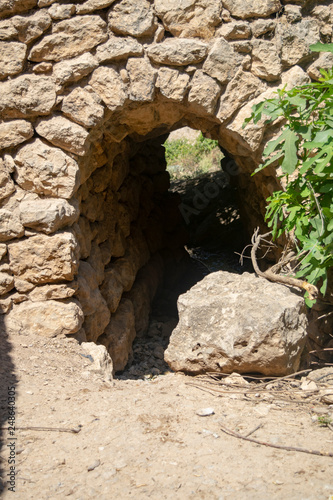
point(278, 278)
point(74, 430)
point(280, 447)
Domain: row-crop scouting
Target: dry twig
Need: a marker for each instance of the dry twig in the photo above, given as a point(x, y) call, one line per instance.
point(280, 447)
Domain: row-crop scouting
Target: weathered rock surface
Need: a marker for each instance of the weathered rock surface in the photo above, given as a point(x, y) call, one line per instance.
point(222, 61)
point(6, 282)
point(172, 83)
point(241, 323)
point(48, 318)
point(119, 335)
point(30, 27)
point(266, 61)
point(117, 49)
point(48, 215)
point(70, 38)
point(74, 69)
point(101, 363)
point(324, 61)
point(109, 86)
point(44, 259)
point(251, 8)
point(10, 7)
point(7, 30)
point(132, 17)
point(14, 133)
point(295, 40)
point(64, 133)
point(191, 19)
point(59, 12)
point(142, 78)
point(236, 30)
point(27, 95)
point(12, 58)
point(10, 226)
point(91, 5)
point(242, 87)
point(83, 107)
point(7, 186)
point(53, 292)
point(177, 52)
point(46, 170)
point(204, 92)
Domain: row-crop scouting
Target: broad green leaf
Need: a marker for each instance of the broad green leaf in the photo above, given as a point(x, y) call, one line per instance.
point(290, 159)
point(322, 47)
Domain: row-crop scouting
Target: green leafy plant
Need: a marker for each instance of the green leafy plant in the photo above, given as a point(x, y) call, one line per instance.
point(304, 151)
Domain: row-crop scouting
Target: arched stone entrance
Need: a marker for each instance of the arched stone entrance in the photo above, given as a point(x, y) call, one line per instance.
point(92, 89)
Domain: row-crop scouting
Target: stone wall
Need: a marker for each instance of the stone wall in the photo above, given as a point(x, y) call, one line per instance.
point(88, 91)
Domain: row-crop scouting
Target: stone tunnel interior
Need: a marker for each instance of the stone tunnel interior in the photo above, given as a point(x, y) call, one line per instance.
point(151, 241)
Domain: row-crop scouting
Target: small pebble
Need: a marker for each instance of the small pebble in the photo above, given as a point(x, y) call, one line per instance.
point(205, 412)
point(94, 465)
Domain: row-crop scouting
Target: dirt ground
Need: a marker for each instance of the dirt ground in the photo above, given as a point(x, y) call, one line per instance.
point(143, 438)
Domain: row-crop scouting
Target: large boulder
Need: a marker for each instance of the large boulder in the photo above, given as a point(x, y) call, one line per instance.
point(230, 322)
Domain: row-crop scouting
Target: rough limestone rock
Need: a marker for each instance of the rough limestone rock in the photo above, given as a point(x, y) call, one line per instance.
point(59, 12)
point(53, 292)
point(132, 17)
point(266, 61)
point(14, 133)
point(70, 38)
point(109, 86)
point(12, 58)
point(324, 61)
point(241, 323)
point(48, 215)
point(252, 8)
point(101, 362)
point(44, 259)
point(48, 318)
point(74, 69)
point(27, 95)
point(7, 30)
point(177, 52)
point(10, 226)
point(46, 170)
point(172, 83)
point(7, 186)
point(64, 133)
point(142, 78)
point(31, 27)
point(204, 92)
point(236, 30)
point(119, 335)
point(83, 107)
point(190, 18)
point(10, 7)
point(117, 49)
point(222, 61)
point(6, 282)
point(242, 87)
point(295, 40)
point(91, 5)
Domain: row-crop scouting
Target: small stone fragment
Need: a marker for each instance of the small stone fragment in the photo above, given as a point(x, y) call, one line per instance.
point(10, 226)
point(43, 67)
point(204, 92)
point(11, 7)
point(222, 61)
point(74, 69)
point(48, 215)
point(252, 8)
point(92, 5)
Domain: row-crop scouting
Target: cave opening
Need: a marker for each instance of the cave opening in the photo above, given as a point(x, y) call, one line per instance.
point(194, 227)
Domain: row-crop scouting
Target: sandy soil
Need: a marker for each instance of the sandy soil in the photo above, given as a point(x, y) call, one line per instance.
point(144, 439)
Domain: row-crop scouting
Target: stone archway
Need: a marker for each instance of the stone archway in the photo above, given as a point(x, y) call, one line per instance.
point(90, 90)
